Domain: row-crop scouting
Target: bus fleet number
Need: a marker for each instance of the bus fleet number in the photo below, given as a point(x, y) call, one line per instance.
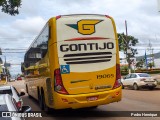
point(105, 76)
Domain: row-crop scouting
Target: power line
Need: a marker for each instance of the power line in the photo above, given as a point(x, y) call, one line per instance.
point(15, 37)
point(14, 48)
point(14, 52)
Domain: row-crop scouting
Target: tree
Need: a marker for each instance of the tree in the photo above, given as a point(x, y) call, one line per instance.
point(127, 43)
point(10, 6)
point(140, 64)
point(150, 65)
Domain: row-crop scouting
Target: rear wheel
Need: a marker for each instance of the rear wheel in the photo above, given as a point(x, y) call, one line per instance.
point(94, 107)
point(46, 108)
point(28, 92)
point(122, 86)
point(151, 88)
point(135, 86)
point(26, 89)
point(42, 103)
point(89, 108)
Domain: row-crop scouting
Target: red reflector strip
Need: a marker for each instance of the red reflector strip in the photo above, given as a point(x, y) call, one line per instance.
point(86, 38)
point(107, 16)
point(64, 100)
point(117, 93)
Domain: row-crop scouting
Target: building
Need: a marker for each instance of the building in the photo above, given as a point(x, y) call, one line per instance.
point(155, 59)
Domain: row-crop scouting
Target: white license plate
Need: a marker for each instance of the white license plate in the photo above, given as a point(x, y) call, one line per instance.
point(150, 84)
point(92, 98)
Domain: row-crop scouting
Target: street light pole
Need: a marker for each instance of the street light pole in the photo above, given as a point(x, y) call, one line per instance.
point(127, 55)
point(5, 64)
point(5, 67)
point(0, 51)
point(126, 29)
point(158, 2)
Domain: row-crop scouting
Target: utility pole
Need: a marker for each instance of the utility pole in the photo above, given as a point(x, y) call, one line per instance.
point(126, 29)
point(127, 55)
point(158, 2)
point(0, 51)
point(151, 53)
point(5, 65)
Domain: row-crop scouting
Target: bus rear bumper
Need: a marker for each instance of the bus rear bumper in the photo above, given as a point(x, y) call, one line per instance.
point(82, 101)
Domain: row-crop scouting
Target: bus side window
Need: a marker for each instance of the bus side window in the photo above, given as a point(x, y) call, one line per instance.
point(38, 49)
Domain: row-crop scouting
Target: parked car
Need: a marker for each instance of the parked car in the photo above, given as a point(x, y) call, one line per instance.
point(19, 78)
point(8, 103)
point(11, 79)
point(139, 80)
point(14, 93)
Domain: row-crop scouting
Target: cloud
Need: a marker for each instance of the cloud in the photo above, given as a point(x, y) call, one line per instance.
point(20, 31)
point(30, 26)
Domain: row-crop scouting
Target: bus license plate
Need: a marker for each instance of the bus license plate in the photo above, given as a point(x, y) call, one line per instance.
point(92, 98)
point(150, 84)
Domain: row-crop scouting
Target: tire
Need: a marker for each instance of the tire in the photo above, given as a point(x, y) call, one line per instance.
point(26, 89)
point(151, 88)
point(135, 86)
point(46, 108)
point(89, 108)
point(28, 92)
point(122, 86)
point(29, 96)
point(41, 103)
point(94, 107)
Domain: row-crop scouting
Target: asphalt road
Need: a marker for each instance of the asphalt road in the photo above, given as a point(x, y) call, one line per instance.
point(132, 101)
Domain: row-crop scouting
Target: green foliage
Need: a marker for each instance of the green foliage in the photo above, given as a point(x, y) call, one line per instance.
point(10, 6)
point(140, 64)
point(21, 75)
point(124, 73)
point(148, 71)
point(124, 70)
point(151, 65)
point(126, 43)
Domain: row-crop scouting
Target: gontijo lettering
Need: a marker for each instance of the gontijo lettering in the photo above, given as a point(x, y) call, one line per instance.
point(85, 47)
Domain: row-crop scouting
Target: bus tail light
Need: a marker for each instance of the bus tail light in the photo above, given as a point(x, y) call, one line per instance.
point(118, 77)
point(58, 82)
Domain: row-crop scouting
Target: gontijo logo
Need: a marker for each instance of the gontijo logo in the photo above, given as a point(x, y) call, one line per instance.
point(85, 27)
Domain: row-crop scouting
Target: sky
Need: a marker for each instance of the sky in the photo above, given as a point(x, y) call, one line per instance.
point(18, 32)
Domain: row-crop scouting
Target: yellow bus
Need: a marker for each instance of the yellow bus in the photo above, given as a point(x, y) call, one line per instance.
point(74, 63)
point(3, 76)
